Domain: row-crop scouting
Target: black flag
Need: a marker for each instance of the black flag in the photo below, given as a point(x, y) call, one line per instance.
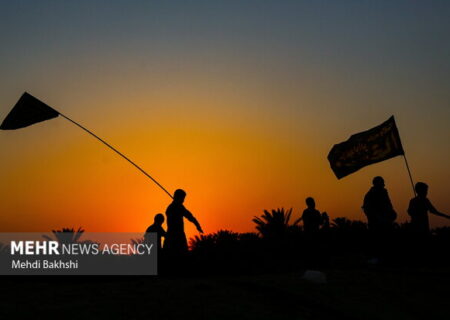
point(365, 148)
point(27, 111)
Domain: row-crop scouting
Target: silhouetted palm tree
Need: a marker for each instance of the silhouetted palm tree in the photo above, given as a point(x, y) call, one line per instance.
point(66, 235)
point(274, 224)
point(137, 241)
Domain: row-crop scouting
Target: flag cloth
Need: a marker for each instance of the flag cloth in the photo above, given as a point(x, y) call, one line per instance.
point(27, 111)
point(365, 148)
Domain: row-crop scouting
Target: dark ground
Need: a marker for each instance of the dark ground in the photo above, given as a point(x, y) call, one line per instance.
point(363, 293)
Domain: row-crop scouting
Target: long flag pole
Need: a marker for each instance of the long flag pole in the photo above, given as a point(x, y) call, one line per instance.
point(407, 167)
point(410, 176)
point(118, 152)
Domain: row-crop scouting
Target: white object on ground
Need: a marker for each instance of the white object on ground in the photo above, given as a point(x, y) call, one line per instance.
point(315, 276)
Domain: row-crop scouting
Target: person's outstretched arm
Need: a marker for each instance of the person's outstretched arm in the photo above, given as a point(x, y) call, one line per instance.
point(434, 211)
point(192, 219)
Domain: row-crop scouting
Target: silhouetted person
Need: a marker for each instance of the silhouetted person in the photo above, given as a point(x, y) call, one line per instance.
point(156, 227)
point(312, 218)
point(312, 221)
point(176, 242)
point(380, 219)
point(418, 210)
point(378, 207)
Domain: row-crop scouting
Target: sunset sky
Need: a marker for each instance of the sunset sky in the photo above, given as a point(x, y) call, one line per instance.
point(237, 102)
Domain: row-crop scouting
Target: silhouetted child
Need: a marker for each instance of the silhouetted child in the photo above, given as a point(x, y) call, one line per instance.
point(312, 219)
point(156, 227)
point(418, 210)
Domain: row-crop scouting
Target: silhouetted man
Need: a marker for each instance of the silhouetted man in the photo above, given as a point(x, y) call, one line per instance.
point(380, 219)
point(378, 207)
point(176, 243)
point(312, 222)
point(156, 227)
point(312, 219)
point(418, 210)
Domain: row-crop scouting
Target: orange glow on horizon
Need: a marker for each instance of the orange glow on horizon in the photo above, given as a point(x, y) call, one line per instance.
point(228, 144)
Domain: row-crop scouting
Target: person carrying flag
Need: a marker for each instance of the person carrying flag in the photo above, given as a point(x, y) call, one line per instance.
point(175, 243)
point(418, 209)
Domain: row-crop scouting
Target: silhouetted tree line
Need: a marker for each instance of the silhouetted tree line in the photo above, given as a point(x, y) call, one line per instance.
point(280, 246)
point(312, 241)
